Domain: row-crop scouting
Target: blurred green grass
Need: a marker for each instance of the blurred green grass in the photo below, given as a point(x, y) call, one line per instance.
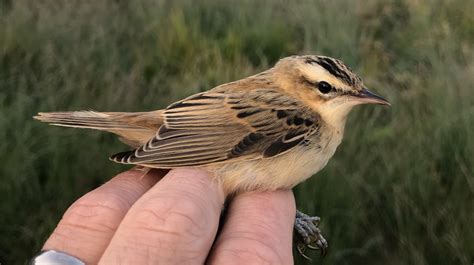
point(400, 189)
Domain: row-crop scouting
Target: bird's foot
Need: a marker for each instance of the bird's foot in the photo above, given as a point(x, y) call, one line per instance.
point(308, 235)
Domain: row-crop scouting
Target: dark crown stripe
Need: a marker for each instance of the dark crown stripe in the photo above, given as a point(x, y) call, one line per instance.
point(333, 68)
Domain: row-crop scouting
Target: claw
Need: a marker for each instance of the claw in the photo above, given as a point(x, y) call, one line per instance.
point(312, 247)
point(309, 234)
point(323, 251)
point(301, 249)
point(321, 246)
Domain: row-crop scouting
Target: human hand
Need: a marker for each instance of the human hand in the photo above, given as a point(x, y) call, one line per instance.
point(173, 219)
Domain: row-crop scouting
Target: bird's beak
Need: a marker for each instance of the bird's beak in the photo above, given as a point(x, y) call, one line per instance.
point(366, 97)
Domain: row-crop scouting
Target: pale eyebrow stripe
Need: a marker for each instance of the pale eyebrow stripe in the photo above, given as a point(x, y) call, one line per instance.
point(333, 68)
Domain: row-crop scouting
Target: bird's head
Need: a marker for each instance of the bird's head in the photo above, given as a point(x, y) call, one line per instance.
point(326, 85)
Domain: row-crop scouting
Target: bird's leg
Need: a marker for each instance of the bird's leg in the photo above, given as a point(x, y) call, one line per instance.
point(308, 235)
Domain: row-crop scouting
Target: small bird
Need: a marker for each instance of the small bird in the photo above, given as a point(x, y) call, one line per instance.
point(268, 131)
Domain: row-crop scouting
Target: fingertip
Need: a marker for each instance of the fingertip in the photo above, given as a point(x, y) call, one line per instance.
point(199, 180)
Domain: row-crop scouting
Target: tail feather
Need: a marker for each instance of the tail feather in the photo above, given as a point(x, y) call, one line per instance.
point(134, 128)
point(86, 119)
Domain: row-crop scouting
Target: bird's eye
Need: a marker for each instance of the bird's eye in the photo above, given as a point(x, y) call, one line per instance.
point(324, 87)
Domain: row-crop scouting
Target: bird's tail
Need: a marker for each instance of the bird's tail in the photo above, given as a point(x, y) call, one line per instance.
point(82, 119)
point(135, 128)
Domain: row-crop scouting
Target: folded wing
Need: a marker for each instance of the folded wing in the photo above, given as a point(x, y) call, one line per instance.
point(213, 127)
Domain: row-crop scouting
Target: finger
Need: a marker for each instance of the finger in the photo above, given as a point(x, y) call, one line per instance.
point(258, 230)
point(89, 224)
point(175, 222)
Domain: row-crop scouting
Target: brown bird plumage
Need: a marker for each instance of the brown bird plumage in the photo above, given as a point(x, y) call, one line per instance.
point(265, 132)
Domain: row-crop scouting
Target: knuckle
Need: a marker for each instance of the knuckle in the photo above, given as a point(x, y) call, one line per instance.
point(96, 211)
point(178, 216)
point(177, 219)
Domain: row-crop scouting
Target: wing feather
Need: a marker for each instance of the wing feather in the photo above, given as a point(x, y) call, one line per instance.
point(213, 127)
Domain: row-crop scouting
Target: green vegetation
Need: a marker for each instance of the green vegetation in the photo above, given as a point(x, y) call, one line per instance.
point(400, 189)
